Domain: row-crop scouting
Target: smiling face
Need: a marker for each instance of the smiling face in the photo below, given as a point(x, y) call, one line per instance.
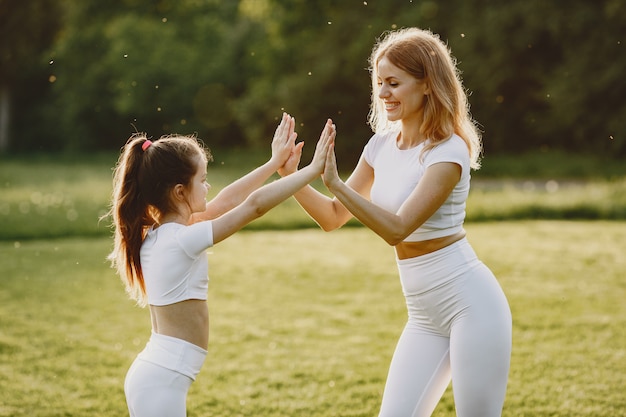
point(403, 94)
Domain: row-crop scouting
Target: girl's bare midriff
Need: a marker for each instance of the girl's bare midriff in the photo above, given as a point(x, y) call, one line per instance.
point(187, 320)
point(406, 250)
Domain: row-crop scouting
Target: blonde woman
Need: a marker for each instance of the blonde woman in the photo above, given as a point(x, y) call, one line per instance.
point(410, 187)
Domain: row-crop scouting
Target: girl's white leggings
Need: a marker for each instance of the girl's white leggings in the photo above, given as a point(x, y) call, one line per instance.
point(158, 380)
point(459, 329)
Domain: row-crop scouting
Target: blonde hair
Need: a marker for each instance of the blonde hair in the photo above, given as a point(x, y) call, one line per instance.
point(143, 179)
point(422, 54)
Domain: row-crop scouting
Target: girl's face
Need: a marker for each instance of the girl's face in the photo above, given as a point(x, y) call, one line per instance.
point(402, 93)
point(198, 188)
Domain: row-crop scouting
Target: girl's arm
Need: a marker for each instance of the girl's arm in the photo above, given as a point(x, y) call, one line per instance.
point(270, 195)
point(431, 192)
point(328, 212)
point(233, 194)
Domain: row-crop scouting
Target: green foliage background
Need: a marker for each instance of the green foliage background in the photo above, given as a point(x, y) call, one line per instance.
point(80, 76)
point(542, 75)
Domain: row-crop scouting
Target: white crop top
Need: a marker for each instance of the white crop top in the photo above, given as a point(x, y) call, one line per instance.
point(175, 264)
point(397, 172)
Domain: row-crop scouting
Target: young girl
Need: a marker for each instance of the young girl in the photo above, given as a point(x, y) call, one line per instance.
point(163, 226)
point(410, 187)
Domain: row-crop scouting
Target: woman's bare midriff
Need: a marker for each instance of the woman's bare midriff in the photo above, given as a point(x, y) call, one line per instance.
point(187, 320)
point(406, 250)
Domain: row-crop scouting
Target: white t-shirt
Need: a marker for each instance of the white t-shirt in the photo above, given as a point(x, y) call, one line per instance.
point(397, 172)
point(175, 264)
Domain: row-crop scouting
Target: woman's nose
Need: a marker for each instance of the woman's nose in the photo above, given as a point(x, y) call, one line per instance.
point(383, 92)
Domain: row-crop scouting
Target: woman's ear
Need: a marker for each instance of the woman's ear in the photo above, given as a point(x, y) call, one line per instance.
point(427, 89)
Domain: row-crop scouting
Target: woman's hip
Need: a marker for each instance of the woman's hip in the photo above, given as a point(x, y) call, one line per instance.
point(424, 273)
point(452, 284)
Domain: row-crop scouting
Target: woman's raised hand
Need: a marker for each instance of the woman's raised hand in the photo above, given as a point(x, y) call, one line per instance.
point(284, 140)
point(330, 174)
point(324, 146)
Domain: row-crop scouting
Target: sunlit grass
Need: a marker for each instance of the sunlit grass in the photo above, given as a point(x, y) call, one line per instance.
point(547, 199)
point(50, 196)
point(303, 323)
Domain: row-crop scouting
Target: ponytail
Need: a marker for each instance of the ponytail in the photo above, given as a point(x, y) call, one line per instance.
point(144, 176)
point(131, 217)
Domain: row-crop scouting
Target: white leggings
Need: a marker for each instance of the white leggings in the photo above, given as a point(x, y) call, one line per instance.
point(158, 380)
point(459, 329)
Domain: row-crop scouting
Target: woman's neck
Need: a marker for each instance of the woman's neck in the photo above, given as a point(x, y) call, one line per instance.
point(410, 134)
point(409, 139)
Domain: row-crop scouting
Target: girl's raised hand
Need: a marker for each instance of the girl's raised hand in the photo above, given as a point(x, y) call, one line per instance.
point(324, 144)
point(284, 140)
point(291, 165)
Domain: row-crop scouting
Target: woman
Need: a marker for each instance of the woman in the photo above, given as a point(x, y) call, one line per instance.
point(410, 187)
point(163, 226)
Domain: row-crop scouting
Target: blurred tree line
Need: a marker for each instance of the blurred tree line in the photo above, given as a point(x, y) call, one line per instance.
point(84, 75)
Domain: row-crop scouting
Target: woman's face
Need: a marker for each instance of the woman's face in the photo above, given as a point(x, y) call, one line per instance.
point(402, 93)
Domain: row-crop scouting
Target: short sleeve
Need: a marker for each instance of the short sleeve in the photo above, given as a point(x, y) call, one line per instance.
point(453, 150)
point(374, 145)
point(369, 151)
point(196, 238)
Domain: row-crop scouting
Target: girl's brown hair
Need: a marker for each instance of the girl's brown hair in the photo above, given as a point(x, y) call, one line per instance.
point(446, 110)
point(143, 180)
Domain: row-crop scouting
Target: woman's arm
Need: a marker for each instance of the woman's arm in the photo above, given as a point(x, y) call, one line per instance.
point(233, 194)
point(270, 195)
point(431, 192)
point(328, 212)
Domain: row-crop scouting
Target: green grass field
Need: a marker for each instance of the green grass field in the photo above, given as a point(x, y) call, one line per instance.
point(303, 323)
